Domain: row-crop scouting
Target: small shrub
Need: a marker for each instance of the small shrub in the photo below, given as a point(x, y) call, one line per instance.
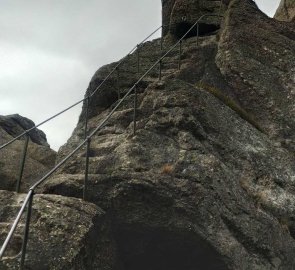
point(167, 169)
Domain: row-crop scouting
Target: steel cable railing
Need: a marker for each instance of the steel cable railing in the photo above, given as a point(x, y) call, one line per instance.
point(86, 99)
point(82, 100)
point(28, 202)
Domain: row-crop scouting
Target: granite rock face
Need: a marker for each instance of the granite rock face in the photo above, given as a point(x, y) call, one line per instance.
point(260, 66)
point(65, 233)
point(40, 158)
point(286, 11)
point(208, 180)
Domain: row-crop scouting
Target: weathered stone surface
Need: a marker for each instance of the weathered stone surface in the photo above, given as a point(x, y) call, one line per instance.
point(213, 191)
point(15, 124)
point(260, 66)
point(208, 180)
point(179, 15)
point(286, 11)
point(65, 233)
point(40, 158)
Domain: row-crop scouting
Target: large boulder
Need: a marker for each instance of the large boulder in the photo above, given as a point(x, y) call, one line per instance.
point(15, 124)
point(65, 234)
point(40, 157)
point(286, 11)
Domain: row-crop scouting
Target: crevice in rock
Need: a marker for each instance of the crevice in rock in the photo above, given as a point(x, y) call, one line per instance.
point(204, 29)
point(159, 249)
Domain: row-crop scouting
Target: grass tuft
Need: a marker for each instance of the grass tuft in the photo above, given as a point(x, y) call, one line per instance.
point(167, 169)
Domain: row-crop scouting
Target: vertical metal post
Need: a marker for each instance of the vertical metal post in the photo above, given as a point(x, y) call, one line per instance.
point(27, 230)
point(161, 44)
point(117, 82)
point(179, 57)
point(160, 70)
point(220, 7)
point(197, 34)
point(134, 109)
point(86, 117)
point(22, 163)
point(137, 59)
point(86, 168)
point(160, 63)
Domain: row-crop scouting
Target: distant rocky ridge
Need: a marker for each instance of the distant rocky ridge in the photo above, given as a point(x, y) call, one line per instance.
point(207, 182)
point(40, 157)
point(15, 124)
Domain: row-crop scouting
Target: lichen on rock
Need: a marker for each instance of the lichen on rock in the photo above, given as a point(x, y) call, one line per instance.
point(208, 179)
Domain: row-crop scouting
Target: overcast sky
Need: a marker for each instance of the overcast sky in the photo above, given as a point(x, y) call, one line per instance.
point(49, 50)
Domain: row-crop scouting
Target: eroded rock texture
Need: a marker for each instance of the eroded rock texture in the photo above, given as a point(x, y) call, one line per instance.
point(15, 124)
point(180, 15)
point(65, 233)
point(40, 157)
point(260, 66)
point(286, 11)
point(207, 182)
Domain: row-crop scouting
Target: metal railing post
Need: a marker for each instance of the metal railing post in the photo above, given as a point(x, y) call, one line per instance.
point(137, 53)
point(220, 8)
point(134, 109)
point(86, 117)
point(197, 34)
point(160, 63)
point(22, 163)
point(117, 83)
point(26, 231)
point(86, 168)
point(179, 57)
point(160, 70)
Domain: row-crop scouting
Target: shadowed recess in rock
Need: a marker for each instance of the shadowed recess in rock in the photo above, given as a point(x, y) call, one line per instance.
point(146, 249)
point(204, 29)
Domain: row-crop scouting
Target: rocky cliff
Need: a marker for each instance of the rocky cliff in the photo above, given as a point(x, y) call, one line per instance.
point(208, 180)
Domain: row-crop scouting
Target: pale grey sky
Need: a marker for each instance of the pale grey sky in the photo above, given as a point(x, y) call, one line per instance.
point(49, 50)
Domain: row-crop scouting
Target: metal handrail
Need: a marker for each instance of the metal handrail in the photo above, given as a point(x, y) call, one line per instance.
point(86, 98)
point(82, 100)
point(29, 198)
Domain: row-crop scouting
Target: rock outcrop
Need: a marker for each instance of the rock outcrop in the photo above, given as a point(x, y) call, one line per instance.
point(40, 158)
point(179, 15)
point(286, 11)
point(208, 180)
point(260, 66)
point(65, 233)
point(15, 124)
